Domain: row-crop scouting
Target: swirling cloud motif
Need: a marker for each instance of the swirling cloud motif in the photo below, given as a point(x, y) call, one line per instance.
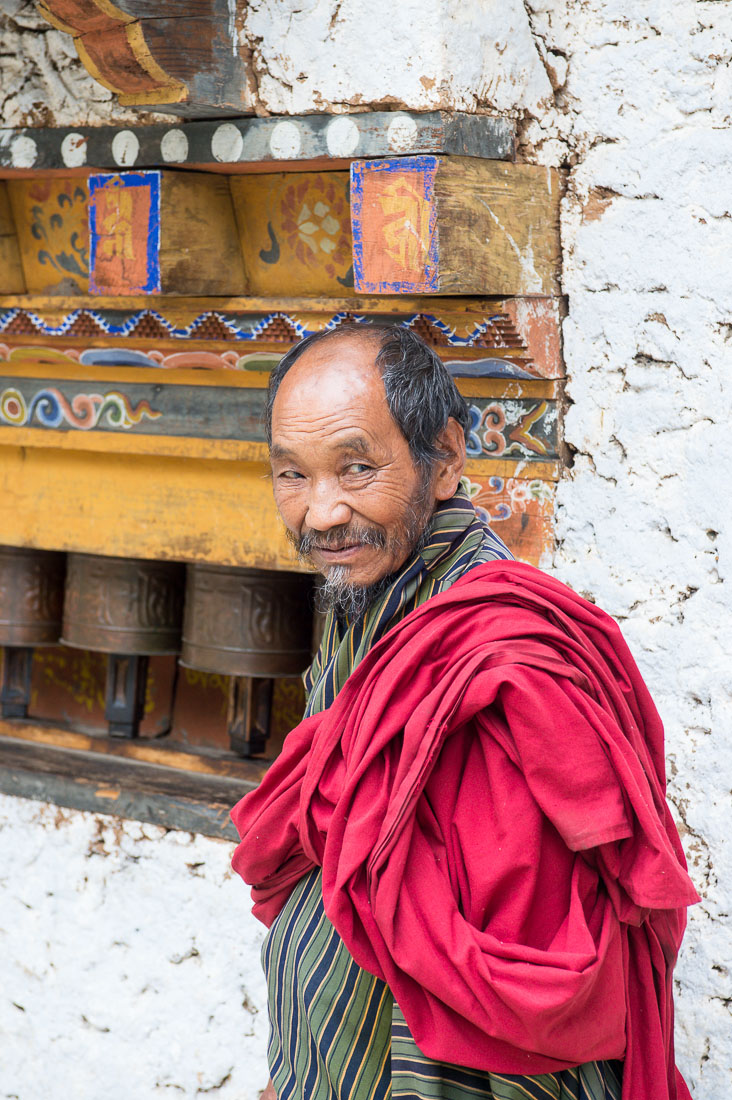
point(119, 412)
point(51, 409)
point(12, 407)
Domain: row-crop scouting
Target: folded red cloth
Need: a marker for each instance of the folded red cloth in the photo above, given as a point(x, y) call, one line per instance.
point(486, 800)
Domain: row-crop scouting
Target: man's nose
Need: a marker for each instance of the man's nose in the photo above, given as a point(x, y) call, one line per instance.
point(326, 507)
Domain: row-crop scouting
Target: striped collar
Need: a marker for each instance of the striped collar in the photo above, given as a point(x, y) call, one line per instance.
point(458, 541)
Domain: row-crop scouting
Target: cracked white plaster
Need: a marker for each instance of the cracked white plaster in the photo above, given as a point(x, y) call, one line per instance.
point(320, 55)
point(129, 962)
point(644, 525)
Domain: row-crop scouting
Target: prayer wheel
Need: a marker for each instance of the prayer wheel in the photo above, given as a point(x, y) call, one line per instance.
point(253, 625)
point(130, 609)
point(31, 599)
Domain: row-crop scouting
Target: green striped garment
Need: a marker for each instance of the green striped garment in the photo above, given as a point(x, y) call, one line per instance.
point(335, 1032)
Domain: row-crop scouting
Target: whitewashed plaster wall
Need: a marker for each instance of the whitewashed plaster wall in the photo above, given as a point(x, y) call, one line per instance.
point(129, 962)
point(645, 517)
point(634, 99)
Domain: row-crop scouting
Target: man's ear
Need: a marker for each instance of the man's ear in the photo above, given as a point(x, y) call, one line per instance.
point(449, 470)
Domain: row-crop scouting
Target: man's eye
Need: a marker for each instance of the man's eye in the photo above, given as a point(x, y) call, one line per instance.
point(357, 468)
point(289, 475)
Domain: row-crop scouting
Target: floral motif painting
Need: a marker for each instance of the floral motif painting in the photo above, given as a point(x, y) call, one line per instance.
point(520, 510)
point(295, 232)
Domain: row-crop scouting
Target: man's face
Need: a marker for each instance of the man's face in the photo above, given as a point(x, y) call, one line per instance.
point(344, 480)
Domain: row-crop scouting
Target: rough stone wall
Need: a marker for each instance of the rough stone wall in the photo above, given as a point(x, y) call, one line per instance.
point(634, 100)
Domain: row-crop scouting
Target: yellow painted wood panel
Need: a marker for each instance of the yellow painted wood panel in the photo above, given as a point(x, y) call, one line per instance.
point(12, 280)
point(221, 450)
point(186, 509)
point(34, 363)
point(53, 233)
point(141, 506)
point(227, 450)
point(295, 232)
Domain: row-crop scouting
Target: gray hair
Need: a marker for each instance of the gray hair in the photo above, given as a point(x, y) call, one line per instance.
point(420, 392)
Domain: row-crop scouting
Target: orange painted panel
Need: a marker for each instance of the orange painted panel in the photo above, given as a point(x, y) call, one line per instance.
point(394, 220)
point(124, 231)
point(520, 510)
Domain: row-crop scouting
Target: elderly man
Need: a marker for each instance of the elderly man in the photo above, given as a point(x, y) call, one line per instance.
point(472, 883)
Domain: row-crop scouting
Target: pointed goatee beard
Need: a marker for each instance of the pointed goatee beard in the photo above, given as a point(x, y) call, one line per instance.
point(335, 592)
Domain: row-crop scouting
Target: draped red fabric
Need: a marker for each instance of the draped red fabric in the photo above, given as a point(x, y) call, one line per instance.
point(486, 800)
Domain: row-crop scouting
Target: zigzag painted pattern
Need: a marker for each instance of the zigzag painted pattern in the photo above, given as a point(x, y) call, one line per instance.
point(240, 327)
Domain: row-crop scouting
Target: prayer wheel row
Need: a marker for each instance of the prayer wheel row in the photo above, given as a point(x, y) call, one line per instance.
point(249, 624)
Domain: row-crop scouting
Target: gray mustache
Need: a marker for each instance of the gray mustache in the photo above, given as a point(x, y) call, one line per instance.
point(337, 536)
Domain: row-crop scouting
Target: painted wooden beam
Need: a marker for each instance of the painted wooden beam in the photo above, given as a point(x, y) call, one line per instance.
point(156, 232)
point(295, 232)
point(518, 427)
point(157, 751)
point(239, 144)
point(431, 225)
point(179, 56)
point(106, 395)
point(53, 235)
point(101, 784)
point(516, 337)
point(204, 494)
point(12, 280)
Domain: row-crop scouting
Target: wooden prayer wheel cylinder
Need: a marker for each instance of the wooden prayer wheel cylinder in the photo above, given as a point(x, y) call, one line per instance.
point(253, 625)
point(131, 609)
point(31, 600)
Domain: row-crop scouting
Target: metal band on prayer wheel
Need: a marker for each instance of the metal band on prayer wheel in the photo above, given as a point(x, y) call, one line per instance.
point(31, 596)
point(123, 605)
point(246, 622)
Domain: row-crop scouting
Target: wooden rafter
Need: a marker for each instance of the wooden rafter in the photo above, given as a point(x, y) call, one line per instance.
point(112, 47)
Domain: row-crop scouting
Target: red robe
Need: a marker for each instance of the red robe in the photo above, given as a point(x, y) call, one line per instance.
point(486, 800)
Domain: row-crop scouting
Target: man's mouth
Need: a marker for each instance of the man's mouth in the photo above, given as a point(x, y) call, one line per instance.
point(342, 552)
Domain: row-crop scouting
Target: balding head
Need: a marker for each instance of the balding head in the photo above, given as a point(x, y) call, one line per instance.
point(420, 392)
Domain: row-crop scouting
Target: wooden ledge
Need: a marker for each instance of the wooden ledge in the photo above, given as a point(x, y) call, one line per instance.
point(137, 780)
